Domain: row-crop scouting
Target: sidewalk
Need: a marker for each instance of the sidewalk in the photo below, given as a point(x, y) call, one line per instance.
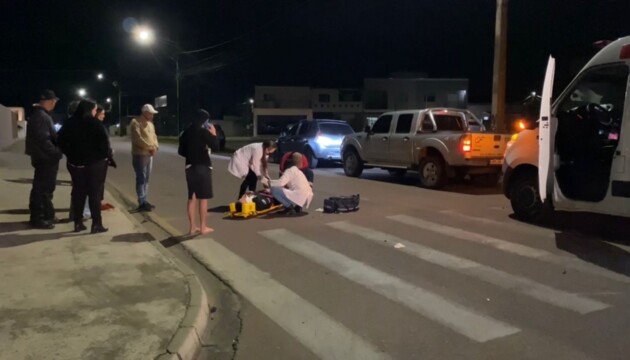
point(81, 296)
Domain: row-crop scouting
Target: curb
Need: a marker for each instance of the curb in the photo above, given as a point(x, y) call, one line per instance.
point(186, 342)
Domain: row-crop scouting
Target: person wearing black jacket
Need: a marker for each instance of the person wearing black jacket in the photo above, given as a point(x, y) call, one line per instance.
point(41, 146)
point(84, 142)
point(194, 144)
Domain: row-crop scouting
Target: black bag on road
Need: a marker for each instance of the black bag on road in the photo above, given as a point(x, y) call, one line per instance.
point(339, 204)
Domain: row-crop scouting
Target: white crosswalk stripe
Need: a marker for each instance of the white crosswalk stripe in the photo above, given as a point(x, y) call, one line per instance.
point(433, 306)
point(502, 224)
point(323, 335)
point(547, 294)
point(507, 246)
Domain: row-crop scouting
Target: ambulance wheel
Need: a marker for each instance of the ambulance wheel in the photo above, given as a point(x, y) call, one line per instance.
point(432, 172)
point(352, 164)
point(525, 198)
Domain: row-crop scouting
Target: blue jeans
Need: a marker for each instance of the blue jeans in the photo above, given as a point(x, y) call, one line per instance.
point(142, 165)
point(278, 194)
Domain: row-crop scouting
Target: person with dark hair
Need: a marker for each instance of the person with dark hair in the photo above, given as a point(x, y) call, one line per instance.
point(85, 144)
point(194, 144)
point(250, 164)
point(41, 146)
point(100, 115)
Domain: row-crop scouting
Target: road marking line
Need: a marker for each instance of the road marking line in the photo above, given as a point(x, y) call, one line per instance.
point(511, 225)
point(544, 293)
point(470, 236)
point(467, 322)
point(316, 330)
point(503, 245)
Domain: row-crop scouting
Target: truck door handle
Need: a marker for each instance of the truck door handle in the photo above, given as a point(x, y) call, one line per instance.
point(406, 138)
point(384, 138)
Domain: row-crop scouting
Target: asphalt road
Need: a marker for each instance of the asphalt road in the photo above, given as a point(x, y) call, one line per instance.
point(415, 274)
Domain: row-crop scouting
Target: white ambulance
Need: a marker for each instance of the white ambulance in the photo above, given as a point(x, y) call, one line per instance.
point(578, 159)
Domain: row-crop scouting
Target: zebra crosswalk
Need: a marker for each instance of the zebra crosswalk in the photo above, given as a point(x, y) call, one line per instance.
point(329, 338)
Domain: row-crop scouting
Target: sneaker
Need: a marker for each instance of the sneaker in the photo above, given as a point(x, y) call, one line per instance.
point(144, 208)
point(44, 225)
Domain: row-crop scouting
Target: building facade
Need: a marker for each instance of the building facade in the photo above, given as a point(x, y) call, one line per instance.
point(277, 107)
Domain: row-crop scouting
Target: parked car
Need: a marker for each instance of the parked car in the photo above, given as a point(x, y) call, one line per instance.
point(318, 139)
point(439, 143)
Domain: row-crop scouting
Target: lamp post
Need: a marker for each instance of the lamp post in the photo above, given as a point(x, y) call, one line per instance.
point(499, 72)
point(145, 36)
point(82, 92)
point(116, 85)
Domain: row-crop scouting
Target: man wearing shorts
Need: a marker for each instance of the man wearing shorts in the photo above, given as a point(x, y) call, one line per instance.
point(194, 144)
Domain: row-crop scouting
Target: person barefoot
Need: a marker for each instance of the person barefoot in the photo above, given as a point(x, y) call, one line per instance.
point(193, 145)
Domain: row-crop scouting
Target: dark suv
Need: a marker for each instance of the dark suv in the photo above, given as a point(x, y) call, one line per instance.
point(317, 139)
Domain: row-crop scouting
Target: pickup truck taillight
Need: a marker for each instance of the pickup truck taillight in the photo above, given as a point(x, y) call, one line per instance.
point(466, 144)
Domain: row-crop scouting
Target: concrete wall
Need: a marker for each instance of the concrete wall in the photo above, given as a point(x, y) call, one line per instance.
point(402, 94)
point(288, 97)
point(8, 127)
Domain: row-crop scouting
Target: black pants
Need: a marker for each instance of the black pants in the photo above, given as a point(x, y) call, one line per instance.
point(44, 183)
point(88, 182)
point(249, 183)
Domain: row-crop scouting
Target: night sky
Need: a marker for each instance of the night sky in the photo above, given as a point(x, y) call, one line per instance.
point(327, 43)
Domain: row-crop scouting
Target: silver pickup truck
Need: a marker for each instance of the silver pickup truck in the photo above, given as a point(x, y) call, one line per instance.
point(438, 143)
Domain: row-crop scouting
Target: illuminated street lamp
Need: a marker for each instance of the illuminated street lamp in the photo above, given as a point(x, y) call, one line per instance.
point(100, 76)
point(116, 84)
point(109, 100)
point(146, 36)
point(82, 92)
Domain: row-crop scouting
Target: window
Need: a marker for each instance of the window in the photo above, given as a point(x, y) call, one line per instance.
point(325, 98)
point(448, 123)
point(305, 126)
point(429, 98)
point(403, 125)
point(349, 95)
point(427, 123)
point(335, 129)
point(604, 86)
point(268, 97)
point(292, 130)
point(382, 125)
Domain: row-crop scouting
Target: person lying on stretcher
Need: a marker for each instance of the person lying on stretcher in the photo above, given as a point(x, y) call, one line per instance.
point(293, 189)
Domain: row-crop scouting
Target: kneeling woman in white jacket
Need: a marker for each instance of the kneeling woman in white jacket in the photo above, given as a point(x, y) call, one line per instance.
point(292, 189)
point(250, 164)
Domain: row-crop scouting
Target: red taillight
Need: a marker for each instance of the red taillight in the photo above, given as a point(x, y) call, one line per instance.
point(624, 54)
point(466, 144)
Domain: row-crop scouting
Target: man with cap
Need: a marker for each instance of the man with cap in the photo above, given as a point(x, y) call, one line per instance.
point(144, 145)
point(41, 146)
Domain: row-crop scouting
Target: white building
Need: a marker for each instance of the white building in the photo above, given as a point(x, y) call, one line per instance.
point(276, 107)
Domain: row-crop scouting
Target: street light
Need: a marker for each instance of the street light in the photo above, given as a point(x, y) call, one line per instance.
point(116, 84)
point(82, 92)
point(146, 36)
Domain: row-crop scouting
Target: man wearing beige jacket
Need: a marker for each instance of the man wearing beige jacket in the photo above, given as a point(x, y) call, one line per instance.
point(144, 145)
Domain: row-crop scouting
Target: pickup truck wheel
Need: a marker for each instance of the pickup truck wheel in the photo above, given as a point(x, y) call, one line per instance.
point(312, 160)
point(398, 173)
point(432, 172)
point(352, 164)
point(525, 199)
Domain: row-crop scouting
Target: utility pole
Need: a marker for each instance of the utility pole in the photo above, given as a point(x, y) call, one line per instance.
point(499, 72)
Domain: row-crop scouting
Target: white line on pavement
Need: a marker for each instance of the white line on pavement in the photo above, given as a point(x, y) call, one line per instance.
point(503, 245)
point(544, 293)
point(316, 330)
point(433, 306)
point(512, 225)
